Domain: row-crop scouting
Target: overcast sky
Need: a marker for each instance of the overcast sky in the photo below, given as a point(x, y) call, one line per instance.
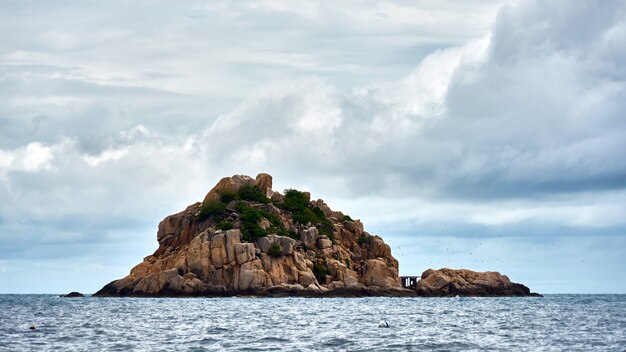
point(488, 135)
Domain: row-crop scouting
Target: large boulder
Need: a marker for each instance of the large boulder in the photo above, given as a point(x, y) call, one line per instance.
point(264, 183)
point(463, 282)
point(378, 273)
point(229, 184)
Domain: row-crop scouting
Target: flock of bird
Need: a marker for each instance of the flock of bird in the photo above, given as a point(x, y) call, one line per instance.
point(458, 256)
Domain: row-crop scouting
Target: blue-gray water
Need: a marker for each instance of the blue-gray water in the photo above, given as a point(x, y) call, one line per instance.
point(555, 323)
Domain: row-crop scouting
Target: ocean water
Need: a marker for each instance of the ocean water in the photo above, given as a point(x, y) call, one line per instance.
point(551, 323)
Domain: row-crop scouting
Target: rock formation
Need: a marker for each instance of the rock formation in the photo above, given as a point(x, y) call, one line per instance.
point(463, 282)
point(245, 239)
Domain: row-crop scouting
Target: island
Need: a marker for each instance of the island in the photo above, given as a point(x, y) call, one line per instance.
point(465, 283)
point(244, 239)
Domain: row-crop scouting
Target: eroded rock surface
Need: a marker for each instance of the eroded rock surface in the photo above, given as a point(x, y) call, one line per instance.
point(245, 238)
point(463, 282)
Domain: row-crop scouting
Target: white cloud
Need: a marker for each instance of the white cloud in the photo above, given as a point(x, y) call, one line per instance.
point(468, 122)
point(32, 157)
point(106, 155)
point(410, 118)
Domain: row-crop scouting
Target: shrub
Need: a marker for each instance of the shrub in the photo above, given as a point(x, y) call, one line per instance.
point(250, 229)
point(320, 271)
point(316, 217)
point(252, 233)
point(319, 213)
point(279, 230)
point(347, 263)
point(228, 196)
point(305, 216)
point(273, 219)
point(250, 218)
point(252, 194)
point(248, 213)
point(224, 225)
point(294, 235)
point(295, 200)
point(346, 218)
point(211, 208)
point(326, 228)
point(275, 250)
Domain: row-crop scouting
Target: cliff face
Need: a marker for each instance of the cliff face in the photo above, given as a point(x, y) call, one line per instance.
point(245, 238)
point(463, 282)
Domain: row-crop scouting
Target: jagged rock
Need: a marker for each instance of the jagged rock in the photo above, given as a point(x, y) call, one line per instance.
point(306, 278)
point(324, 243)
point(309, 236)
point(354, 226)
point(377, 273)
point(245, 252)
point(264, 183)
point(270, 208)
point(277, 197)
point(463, 282)
point(264, 244)
point(264, 224)
point(195, 258)
point(286, 244)
point(231, 239)
point(168, 227)
point(228, 184)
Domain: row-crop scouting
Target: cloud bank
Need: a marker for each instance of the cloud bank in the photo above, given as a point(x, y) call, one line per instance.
point(506, 141)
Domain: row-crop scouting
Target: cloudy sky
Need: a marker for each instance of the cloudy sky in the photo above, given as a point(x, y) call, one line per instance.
point(488, 135)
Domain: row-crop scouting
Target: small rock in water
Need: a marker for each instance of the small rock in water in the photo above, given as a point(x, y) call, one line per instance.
point(73, 294)
point(33, 327)
point(383, 324)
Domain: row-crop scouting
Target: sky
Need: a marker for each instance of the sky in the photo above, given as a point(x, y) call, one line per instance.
point(488, 135)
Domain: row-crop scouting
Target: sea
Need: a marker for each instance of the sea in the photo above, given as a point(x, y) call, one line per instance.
point(550, 323)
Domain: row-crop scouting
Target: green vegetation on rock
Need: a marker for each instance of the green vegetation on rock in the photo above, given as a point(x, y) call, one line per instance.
point(211, 208)
point(295, 200)
point(275, 250)
point(228, 196)
point(252, 194)
point(320, 270)
point(326, 228)
point(250, 218)
point(294, 235)
point(224, 225)
point(248, 193)
point(304, 216)
point(303, 213)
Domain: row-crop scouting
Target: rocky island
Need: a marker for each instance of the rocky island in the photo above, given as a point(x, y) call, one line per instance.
point(246, 239)
point(462, 282)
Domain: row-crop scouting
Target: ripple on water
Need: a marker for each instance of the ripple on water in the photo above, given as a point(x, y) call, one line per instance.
point(555, 322)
